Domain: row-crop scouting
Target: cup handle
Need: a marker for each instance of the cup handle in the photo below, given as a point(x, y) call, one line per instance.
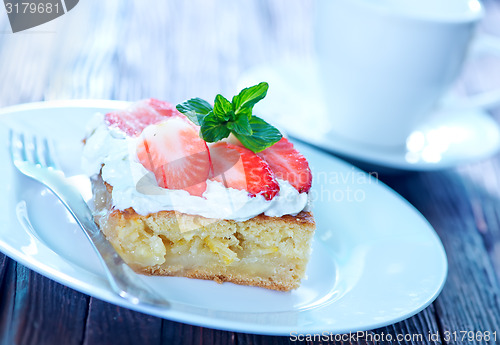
point(482, 45)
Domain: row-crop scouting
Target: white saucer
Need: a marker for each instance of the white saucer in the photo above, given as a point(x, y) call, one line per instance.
point(447, 139)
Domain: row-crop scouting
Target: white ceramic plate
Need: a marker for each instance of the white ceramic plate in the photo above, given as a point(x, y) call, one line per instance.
point(376, 260)
point(446, 139)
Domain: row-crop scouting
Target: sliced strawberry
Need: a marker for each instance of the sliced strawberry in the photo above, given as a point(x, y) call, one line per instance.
point(288, 164)
point(163, 108)
point(176, 155)
point(239, 168)
point(139, 115)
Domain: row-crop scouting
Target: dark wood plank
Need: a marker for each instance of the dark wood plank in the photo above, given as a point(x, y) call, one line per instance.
point(37, 310)
point(110, 324)
point(175, 333)
point(7, 295)
point(415, 330)
point(484, 192)
point(254, 339)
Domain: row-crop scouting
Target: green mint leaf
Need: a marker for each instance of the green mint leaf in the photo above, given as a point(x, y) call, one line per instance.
point(247, 112)
point(223, 109)
point(240, 126)
point(233, 117)
point(248, 97)
point(195, 104)
point(212, 129)
point(195, 109)
point(196, 118)
point(263, 136)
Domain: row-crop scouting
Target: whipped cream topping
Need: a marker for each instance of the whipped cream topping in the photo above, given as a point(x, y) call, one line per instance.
point(134, 186)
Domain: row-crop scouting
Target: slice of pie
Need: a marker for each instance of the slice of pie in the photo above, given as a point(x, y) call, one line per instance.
point(173, 204)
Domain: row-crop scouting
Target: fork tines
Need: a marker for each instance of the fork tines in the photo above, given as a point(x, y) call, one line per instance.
point(32, 149)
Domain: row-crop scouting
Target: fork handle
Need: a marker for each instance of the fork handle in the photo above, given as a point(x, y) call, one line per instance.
point(120, 276)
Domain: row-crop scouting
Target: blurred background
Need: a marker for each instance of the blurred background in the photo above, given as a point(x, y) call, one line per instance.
point(126, 50)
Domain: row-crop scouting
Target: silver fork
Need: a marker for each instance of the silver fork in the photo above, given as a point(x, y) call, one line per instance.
point(34, 157)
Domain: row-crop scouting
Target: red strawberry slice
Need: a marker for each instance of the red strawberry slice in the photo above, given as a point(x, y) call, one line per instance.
point(139, 115)
point(176, 155)
point(288, 164)
point(163, 108)
point(239, 168)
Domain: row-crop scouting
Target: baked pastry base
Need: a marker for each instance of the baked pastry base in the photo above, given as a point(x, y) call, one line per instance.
point(269, 252)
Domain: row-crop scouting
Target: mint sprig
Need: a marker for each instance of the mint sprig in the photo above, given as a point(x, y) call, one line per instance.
point(195, 109)
point(235, 117)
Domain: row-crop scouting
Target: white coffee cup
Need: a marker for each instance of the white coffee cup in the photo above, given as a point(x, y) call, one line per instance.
point(385, 65)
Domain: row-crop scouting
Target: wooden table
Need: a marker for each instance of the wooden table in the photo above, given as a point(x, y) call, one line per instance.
point(177, 49)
